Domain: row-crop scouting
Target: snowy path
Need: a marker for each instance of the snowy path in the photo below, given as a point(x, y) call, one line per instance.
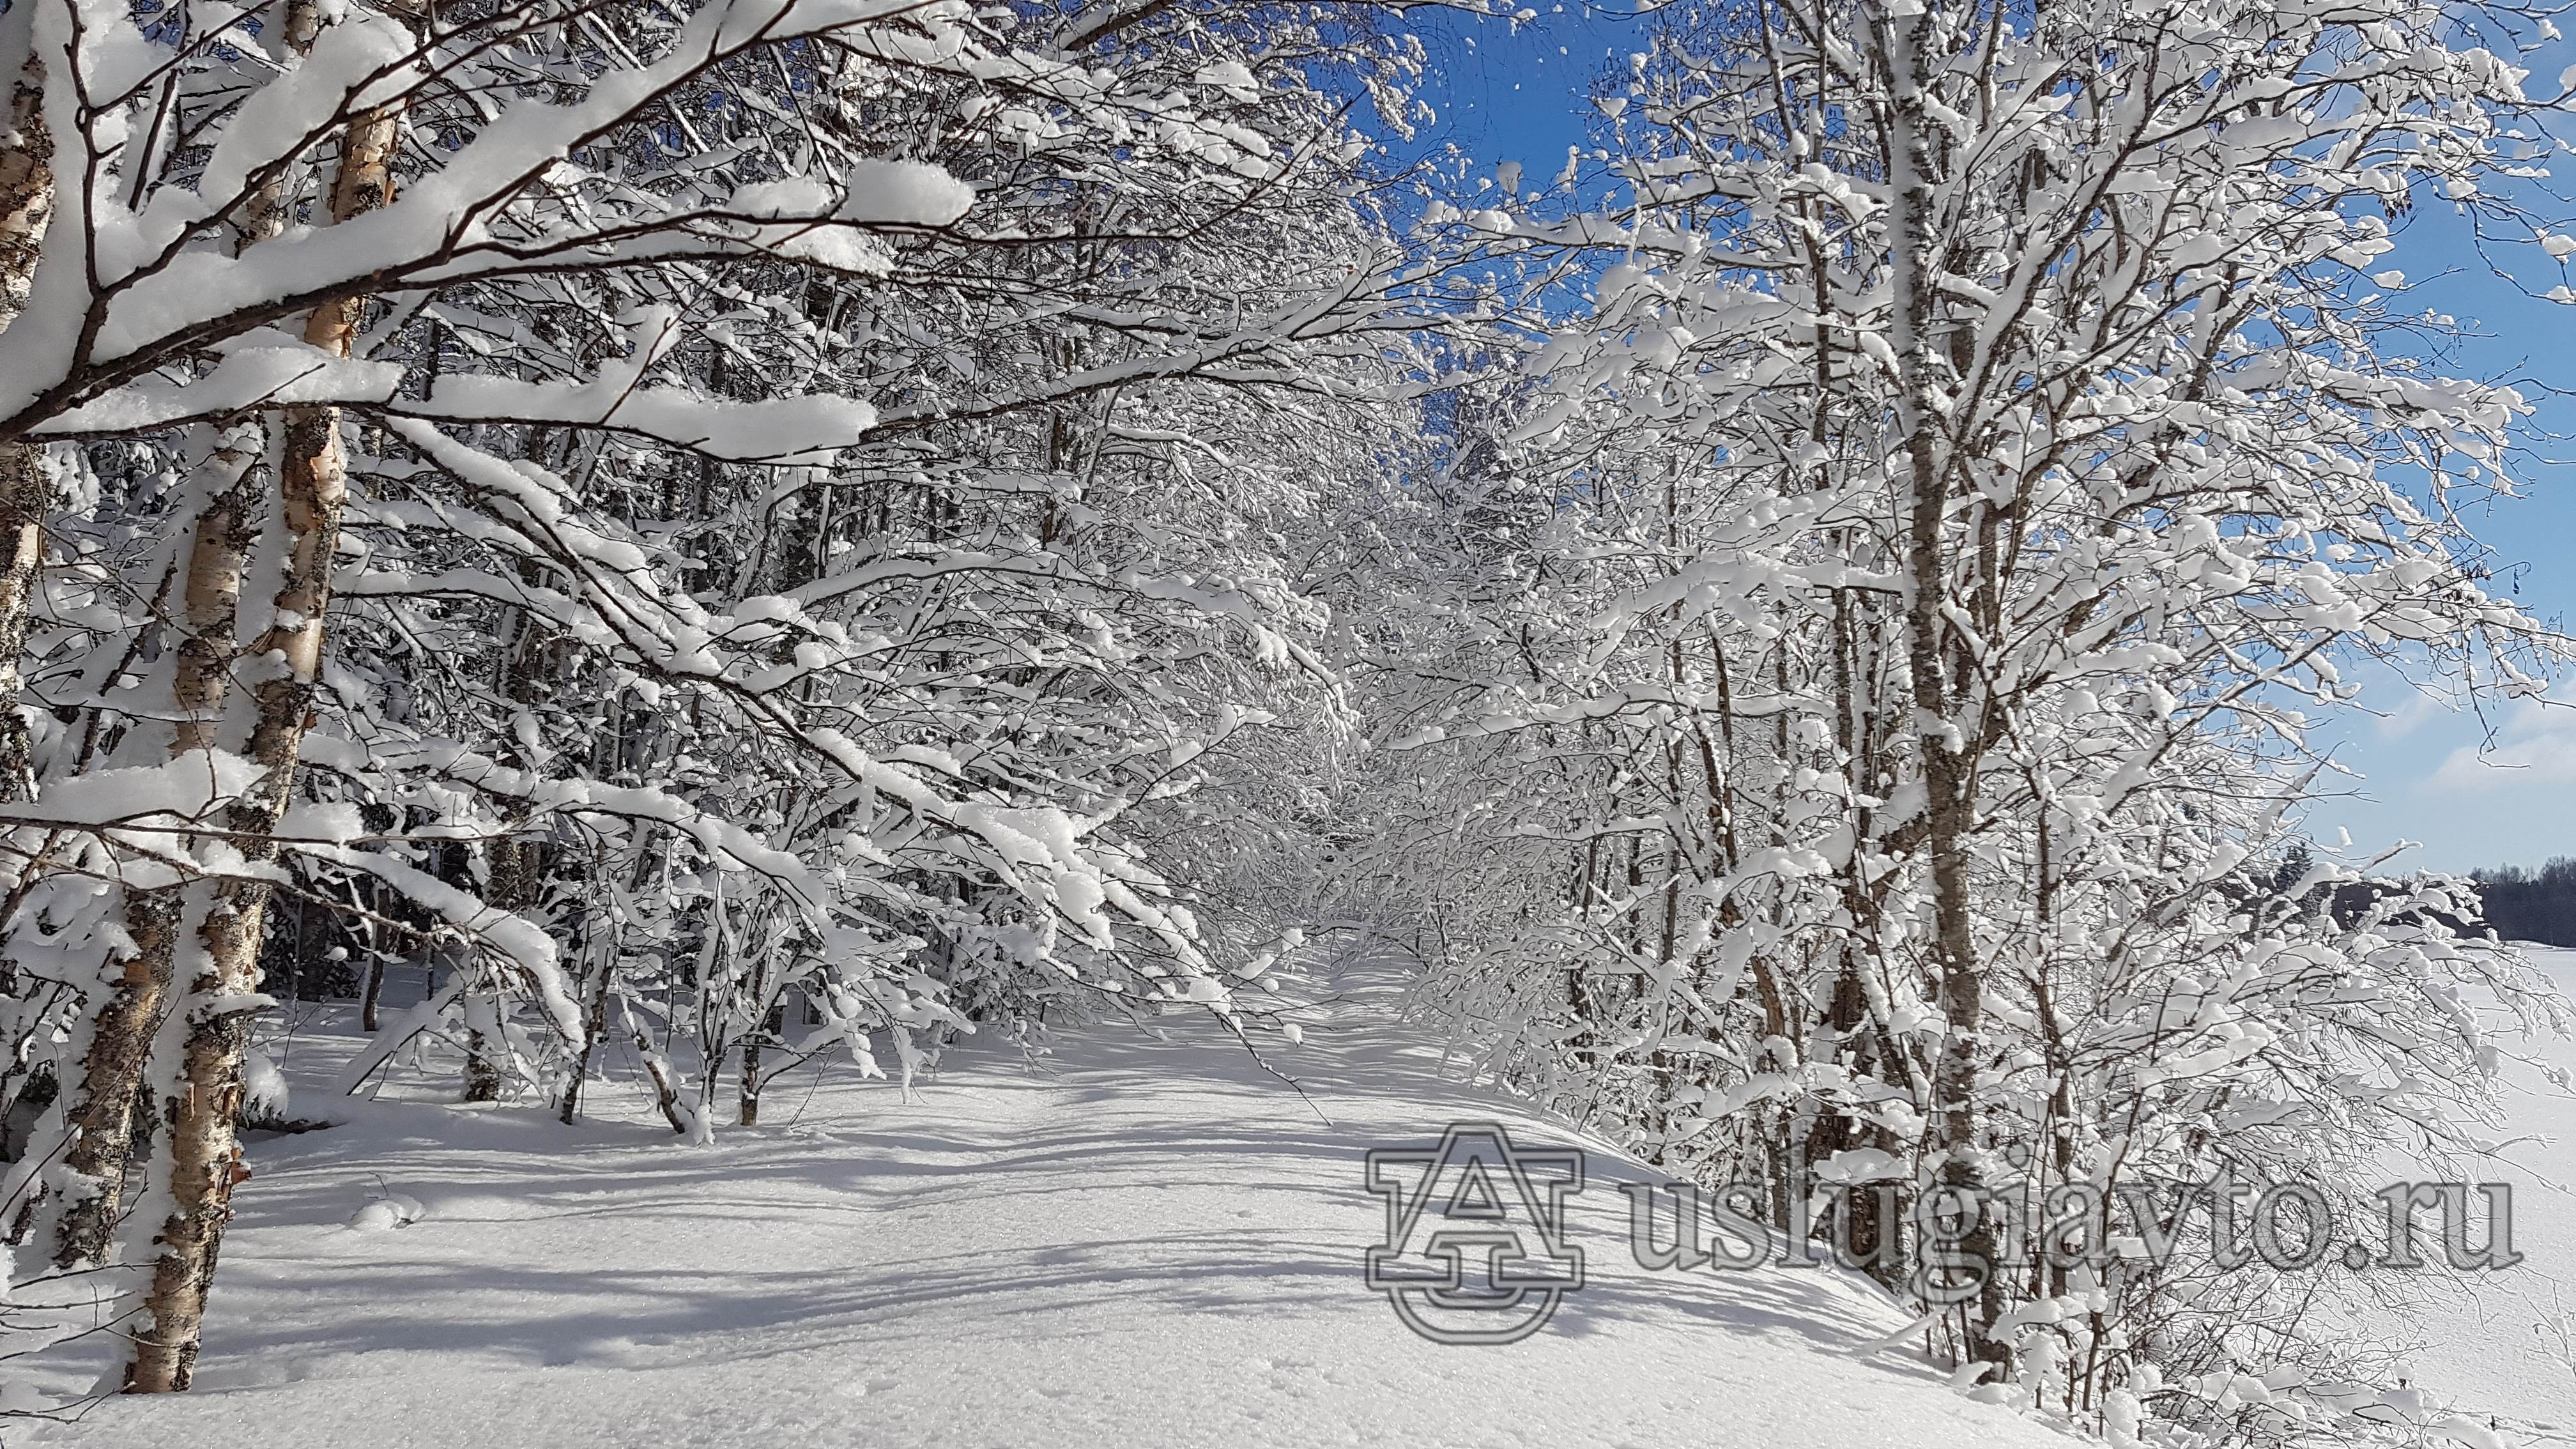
point(1145, 1244)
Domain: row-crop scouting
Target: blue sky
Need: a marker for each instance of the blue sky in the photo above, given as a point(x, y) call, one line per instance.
point(2469, 787)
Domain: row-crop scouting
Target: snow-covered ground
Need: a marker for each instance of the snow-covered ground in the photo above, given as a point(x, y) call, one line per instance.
point(1136, 1243)
point(2507, 1350)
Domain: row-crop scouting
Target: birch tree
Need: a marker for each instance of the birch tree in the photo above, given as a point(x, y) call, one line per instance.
point(773, 374)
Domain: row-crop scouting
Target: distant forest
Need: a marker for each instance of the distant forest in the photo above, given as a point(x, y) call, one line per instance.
point(2531, 905)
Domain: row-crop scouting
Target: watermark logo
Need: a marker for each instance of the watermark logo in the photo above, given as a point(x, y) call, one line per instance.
point(1475, 1249)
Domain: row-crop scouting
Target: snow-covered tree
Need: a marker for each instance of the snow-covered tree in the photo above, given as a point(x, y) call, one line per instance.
point(770, 505)
point(1991, 435)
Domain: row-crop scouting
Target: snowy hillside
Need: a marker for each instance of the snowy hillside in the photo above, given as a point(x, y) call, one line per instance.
point(1142, 1243)
point(2508, 1346)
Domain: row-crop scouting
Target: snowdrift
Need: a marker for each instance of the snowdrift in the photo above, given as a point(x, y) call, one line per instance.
point(1136, 1242)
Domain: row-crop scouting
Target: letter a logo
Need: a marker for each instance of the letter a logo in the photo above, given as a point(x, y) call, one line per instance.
point(1461, 1200)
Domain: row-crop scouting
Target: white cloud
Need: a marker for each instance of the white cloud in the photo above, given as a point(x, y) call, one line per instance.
point(2422, 706)
point(2536, 745)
